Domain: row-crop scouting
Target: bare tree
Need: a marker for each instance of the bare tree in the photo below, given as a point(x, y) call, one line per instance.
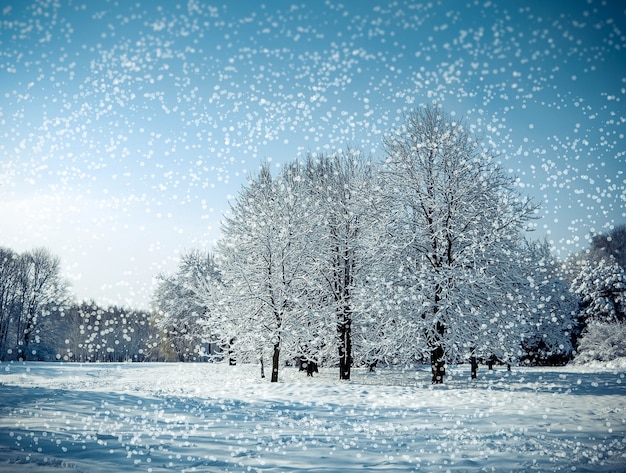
point(45, 291)
point(31, 289)
point(10, 310)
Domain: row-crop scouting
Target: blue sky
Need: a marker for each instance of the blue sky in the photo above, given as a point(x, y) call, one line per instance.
point(126, 127)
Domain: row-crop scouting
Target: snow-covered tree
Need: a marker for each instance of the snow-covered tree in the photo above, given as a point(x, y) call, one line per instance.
point(601, 286)
point(343, 192)
point(183, 307)
point(551, 309)
point(598, 280)
point(265, 258)
point(609, 245)
point(455, 221)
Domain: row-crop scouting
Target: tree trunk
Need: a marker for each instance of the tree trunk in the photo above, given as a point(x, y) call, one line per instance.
point(345, 347)
point(262, 367)
point(275, 360)
point(437, 364)
point(474, 365)
point(437, 361)
point(232, 361)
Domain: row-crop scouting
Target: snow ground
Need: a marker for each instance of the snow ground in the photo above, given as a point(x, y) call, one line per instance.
point(219, 418)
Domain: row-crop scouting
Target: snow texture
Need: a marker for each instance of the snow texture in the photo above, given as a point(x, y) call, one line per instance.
point(215, 417)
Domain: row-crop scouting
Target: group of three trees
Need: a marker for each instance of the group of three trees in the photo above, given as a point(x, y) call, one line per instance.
point(340, 260)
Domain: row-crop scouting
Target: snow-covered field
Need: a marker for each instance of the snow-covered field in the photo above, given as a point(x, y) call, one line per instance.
point(214, 418)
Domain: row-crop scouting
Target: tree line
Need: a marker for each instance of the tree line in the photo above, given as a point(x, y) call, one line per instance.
point(40, 320)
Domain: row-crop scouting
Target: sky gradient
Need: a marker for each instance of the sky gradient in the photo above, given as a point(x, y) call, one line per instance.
point(126, 127)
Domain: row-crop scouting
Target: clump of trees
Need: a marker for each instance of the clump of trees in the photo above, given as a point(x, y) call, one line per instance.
point(32, 295)
point(39, 319)
point(598, 279)
point(88, 332)
point(341, 261)
point(549, 310)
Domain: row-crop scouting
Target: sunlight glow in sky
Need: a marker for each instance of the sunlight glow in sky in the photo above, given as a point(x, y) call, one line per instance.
point(126, 127)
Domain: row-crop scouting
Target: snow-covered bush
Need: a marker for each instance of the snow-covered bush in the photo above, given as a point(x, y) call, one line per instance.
point(602, 341)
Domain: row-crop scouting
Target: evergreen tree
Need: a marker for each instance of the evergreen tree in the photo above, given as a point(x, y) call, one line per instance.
point(601, 286)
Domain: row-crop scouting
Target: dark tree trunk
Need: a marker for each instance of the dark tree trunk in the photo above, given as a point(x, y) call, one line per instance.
point(474, 365)
point(437, 360)
point(262, 368)
point(437, 365)
point(345, 347)
point(231, 355)
point(275, 360)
